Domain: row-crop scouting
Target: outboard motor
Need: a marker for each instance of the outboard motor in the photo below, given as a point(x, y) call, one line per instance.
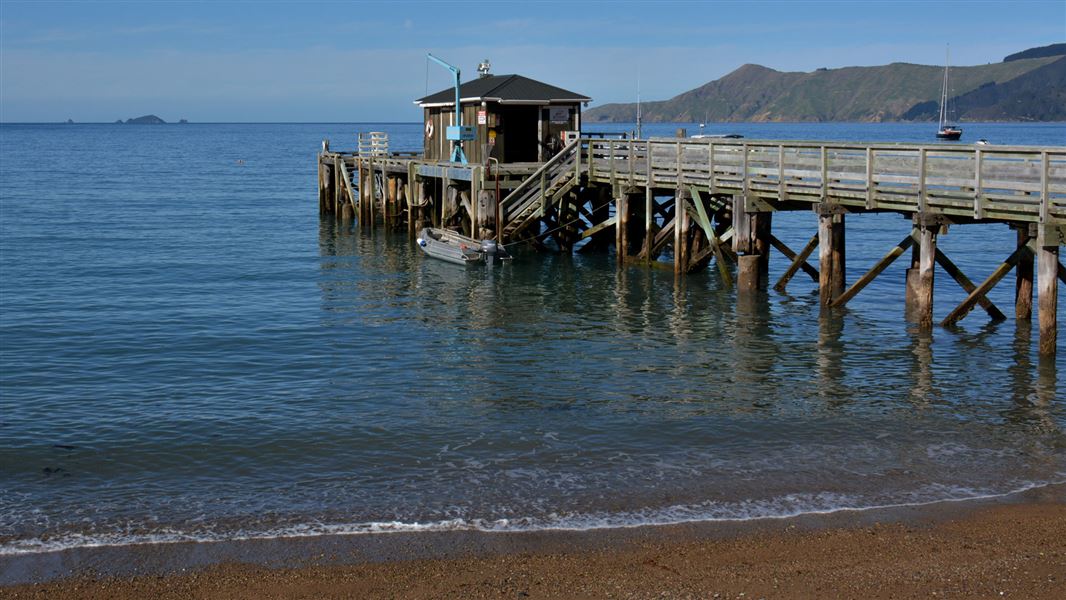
point(494, 251)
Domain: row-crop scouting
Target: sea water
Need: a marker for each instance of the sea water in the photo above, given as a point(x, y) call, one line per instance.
point(188, 352)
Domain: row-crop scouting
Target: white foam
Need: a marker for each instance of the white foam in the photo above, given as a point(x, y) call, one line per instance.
point(784, 507)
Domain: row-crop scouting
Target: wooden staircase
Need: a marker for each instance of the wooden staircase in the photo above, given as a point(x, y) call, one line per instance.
point(528, 202)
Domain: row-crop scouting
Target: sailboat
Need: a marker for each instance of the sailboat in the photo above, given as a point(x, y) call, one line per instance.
point(946, 131)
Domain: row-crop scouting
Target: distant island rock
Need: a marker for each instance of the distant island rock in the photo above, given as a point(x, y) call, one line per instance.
point(1027, 86)
point(184, 122)
point(145, 120)
point(70, 121)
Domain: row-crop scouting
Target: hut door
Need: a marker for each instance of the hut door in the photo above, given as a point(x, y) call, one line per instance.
point(557, 119)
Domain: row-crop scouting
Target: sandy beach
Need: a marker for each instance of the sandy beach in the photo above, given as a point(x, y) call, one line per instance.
point(952, 551)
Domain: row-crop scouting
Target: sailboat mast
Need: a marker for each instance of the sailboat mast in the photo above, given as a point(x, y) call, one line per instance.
point(944, 88)
point(640, 134)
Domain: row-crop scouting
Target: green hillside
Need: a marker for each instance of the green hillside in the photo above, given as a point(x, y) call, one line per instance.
point(1039, 95)
point(884, 93)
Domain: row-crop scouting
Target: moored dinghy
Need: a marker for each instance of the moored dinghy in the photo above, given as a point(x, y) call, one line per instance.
point(450, 246)
point(453, 247)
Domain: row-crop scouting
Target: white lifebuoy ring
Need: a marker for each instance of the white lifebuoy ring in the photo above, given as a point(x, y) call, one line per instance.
point(429, 129)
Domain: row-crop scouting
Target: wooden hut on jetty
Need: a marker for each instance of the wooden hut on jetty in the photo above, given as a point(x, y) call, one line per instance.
point(533, 177)
point(516, 119)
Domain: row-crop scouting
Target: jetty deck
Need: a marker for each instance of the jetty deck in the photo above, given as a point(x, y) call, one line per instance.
point(694, 202)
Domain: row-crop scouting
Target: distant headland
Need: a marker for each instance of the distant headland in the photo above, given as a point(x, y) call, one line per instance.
point(146, 120)
point(1026, 86)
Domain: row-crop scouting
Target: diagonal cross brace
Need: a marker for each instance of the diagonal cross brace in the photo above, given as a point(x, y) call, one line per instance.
point(874, 271)
point(979, 292)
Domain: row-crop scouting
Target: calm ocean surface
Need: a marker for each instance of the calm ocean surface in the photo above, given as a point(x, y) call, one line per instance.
point(188, 352)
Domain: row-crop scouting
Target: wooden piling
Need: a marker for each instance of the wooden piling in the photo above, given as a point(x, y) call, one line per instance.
point(1048, 294)
point(372, 195)
point(839, 256)
point(413, 198)
point(742, 243)
point(831, 255)
point(649, 222)
point(359, 187)
point(621, 227)
point(749, 272)
point(681, 227)
point(762, 242)
point(474, 205)
point(911, 279)
point(409, 202)
point(334, 188)
point(394, 197)
point(923, 298)
point(321, 187)
point(1023, 283)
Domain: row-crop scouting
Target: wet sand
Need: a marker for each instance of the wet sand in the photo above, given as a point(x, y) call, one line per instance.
point(950, 551)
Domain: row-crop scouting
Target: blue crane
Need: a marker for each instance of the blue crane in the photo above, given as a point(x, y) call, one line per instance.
point(457, 133)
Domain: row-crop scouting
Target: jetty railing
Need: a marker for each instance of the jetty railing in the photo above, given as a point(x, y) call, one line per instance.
point(374, 143)
point(1018, 184)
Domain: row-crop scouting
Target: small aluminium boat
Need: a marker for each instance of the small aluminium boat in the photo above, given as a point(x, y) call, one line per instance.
point(456, 248)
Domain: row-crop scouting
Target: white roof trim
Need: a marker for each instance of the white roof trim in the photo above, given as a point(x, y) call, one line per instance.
point(501, 101)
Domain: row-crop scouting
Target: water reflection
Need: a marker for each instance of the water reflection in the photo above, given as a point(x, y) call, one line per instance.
point(923, 390)
point(831, 359)
point(1032, 397)
point(645, 319)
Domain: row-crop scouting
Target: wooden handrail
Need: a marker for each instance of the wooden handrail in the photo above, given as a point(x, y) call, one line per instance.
point(1009, 183)
point(536, 175)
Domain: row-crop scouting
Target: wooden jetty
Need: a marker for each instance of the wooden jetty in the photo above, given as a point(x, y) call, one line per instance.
point(694, 202)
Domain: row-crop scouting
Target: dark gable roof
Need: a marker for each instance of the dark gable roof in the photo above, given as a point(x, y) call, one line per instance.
point(504, 89)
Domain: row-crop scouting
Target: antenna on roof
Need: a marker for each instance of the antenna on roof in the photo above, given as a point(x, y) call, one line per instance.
point(483, 68)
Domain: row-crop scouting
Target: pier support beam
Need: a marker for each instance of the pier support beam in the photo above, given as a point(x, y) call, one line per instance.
point(596, 209)
point(1048, 296)
point(964, 282)
point(413, 197)
point(364, 195)
point(831, 254)
point(681, 227)
point(911, 279)
point(486, 214)
point(923, 293)
point(799, 261)
point(1023, 283)
point(876, 270)
point(621, 227)
point(649, 223)
point(321, 189)
point(748, 272)
point(371, 195)
point(334, 189)
point(751, 237)
point(762, 242)
point(347, 211)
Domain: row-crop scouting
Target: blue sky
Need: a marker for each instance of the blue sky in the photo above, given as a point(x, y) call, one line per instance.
point(365, 61)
